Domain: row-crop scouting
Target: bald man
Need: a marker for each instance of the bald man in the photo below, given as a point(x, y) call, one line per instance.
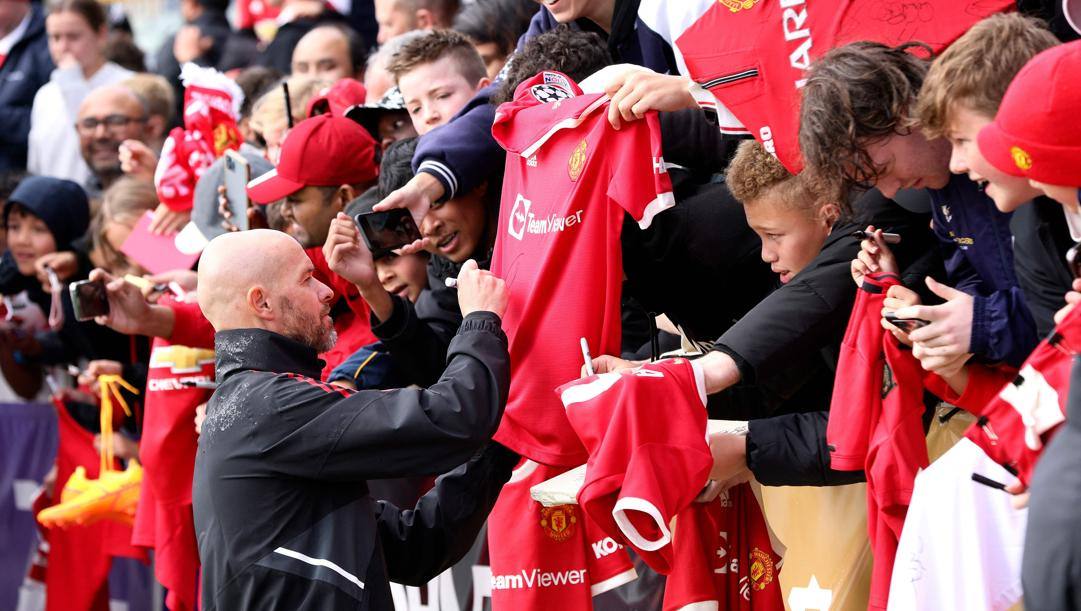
point(282, 512)
point(108, 116)
point(329, 53)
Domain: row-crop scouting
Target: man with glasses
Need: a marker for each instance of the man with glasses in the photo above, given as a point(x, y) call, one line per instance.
point(108, 117)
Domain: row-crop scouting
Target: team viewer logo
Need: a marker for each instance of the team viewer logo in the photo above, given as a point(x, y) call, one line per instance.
point(737, 5)
point(577, 161)
point(558, 522)
point(761, 569)
point(1021, 158)
point(519, 215)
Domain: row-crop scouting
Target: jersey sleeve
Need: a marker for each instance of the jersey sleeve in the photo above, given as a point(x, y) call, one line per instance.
point(640, 183)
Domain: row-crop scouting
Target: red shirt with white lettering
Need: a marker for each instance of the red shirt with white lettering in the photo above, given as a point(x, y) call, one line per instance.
point(570, 178)
point(753, 55)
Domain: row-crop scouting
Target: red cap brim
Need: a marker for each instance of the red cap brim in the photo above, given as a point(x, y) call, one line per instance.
point(995, 148)
point(271, 187)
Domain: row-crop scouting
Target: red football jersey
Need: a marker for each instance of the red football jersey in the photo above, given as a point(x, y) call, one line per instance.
point(724, 557)
point(570, 178)
point(548, 557)
point(164, 519)
point(1020, 410)
point(752, 55)
point(876, 424)
point(645, 430)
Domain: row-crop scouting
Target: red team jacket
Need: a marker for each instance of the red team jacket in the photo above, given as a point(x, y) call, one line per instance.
point(875, 424)
point(1020, 410)
point(570, 179)
point(645, 431)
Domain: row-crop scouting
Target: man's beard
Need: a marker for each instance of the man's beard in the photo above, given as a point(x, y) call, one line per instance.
point(311, 333)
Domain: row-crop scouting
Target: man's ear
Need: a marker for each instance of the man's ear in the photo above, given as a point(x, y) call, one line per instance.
point(344, 195)
point(423, 19)
point(258, 300)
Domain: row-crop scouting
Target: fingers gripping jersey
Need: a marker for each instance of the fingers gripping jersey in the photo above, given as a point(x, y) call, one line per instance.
point(753, 55)
point(570, 179)
point(1021, 410)
point(645, 430)
point(549, 557)
point(876, 424)
point(724, 557)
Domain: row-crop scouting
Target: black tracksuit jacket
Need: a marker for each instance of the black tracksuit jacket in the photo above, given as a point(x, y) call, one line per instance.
point(282, 511)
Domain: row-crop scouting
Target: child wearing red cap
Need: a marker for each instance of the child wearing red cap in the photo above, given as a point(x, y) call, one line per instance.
point(1036, 133)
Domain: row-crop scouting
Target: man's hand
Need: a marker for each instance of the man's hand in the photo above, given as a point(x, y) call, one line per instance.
point(950, 331)
point(874, 256)
point(167, 221)
point(1020, 495)
point(952, 369)
point(64, 263)
point(729, 456)
point(480, 291)
point(129, 313)
point(637, 92)
point(607, 363)
point(200, 416)
point(417, 196)
point(137, 160)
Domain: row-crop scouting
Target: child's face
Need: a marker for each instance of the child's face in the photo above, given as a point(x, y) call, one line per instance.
point(29, 239)
point(403, 275)
point(456, 227)
point(1008, 192)
point(435, 92)
point(791, 237)
point(1067, 196)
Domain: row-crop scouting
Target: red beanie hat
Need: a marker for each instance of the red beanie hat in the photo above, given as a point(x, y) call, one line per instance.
point(1037, 131)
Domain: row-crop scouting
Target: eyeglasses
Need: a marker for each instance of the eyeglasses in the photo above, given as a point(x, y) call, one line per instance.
point(112, 123)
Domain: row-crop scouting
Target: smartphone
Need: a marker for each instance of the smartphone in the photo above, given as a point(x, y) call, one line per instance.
point(89, 299)
point(387, 231)
point(237, 176)
point(908, 325)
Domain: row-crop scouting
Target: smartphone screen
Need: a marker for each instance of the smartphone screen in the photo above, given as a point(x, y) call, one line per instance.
point(89, 299)
point(386, 231)
point(237, 175)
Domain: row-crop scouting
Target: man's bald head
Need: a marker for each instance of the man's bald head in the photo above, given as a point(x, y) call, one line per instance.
point(329, 53)
point(262, 279)
point(234, 263)
point(108, 116)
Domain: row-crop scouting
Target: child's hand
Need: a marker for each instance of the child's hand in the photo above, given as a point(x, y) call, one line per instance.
point(1072, 298)
point(897, 297)
point(874, 256)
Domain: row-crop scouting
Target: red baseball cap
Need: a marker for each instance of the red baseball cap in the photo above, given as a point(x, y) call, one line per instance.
point(337, 98)
point(1036, 133)
point(323, 151)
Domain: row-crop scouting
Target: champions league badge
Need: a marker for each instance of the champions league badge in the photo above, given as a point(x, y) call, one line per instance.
point(548, 93)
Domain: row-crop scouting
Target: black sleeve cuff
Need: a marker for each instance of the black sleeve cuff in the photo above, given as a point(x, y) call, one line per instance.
point(746, 371)
point(482, 321)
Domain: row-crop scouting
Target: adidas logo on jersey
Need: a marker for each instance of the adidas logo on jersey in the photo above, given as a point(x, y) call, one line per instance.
point(535, 579)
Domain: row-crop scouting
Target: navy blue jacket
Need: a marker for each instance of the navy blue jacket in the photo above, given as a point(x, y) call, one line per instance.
point(977, 249)
point(461, 153)
point(26, 68)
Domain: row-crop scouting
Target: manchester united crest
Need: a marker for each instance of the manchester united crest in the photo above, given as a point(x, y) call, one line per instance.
point(577, 161)
point(761, 569)
point(738, 5)
point(1021, 158)
point(559, 522)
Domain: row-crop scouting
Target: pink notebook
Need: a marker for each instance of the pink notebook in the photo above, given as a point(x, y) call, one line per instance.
point(162, 253)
